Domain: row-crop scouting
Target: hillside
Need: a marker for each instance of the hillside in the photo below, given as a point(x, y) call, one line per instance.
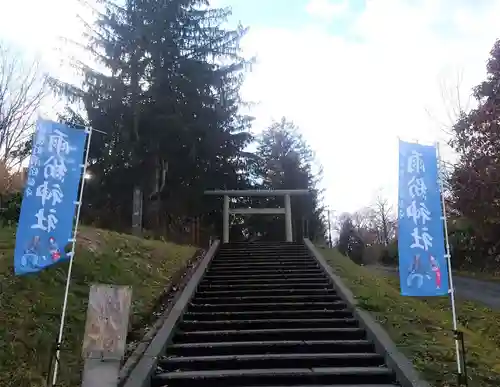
point(422, 326)
point(30, 306)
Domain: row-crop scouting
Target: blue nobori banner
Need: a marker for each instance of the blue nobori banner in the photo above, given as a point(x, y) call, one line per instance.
point(49, 201)
point(423, 267)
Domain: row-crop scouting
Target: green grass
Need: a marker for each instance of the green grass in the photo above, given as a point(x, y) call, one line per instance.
point(30, 306)
point(421, 327)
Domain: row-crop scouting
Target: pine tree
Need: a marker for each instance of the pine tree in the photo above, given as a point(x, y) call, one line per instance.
point(350, 242)
point(169, 108)
point(285, 161)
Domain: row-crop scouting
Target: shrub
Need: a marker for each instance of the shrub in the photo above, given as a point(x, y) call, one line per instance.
point(389, 255)
point(372, 254)
point(11, 208)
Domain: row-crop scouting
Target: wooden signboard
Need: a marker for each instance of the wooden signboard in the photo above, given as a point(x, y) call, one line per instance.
point(107, 320)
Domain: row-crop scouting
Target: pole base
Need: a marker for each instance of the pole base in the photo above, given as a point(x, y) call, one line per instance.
point(462, 378)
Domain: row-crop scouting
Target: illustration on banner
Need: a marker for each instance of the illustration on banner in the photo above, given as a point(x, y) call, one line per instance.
point(418, 272)
point(46, 220)
point(422, 265)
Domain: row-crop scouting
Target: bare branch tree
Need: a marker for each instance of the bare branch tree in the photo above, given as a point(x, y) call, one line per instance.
point(22, 89)
point(454, 102)
point(385, 220)
point(373, 225)
point(362, 222)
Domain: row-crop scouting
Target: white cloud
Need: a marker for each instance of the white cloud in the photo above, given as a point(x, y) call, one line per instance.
point(354, 98)
point(327, 9)
point(38, 26)
point(351, 97)
point(39, 29)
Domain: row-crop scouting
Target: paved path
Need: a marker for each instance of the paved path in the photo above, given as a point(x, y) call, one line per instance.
point(486, 292)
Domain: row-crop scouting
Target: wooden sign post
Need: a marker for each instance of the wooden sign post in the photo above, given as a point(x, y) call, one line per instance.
point(105, 334)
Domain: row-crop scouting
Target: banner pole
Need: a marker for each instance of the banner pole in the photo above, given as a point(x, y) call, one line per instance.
point(70, 267)
point(451, 289)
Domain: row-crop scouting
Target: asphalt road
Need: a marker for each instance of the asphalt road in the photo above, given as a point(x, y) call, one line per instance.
point(486, 292)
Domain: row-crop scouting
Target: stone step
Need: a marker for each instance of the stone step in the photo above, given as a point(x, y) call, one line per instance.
point(261, 273)
point(260, 280)
point(277, 376)
point(283, 360)
point(266, 347)
point(266, 315)
point(190, 325)
point(274, 334)
point(235, 299)
point(266, 306)
point(266, 292)
point(264, 266)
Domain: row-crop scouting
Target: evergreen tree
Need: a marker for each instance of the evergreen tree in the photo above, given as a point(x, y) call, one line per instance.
point(169, 107)
point(350, 242)
point(285, 161)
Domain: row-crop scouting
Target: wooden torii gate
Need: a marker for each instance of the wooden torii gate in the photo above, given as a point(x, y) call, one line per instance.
point(287, 210)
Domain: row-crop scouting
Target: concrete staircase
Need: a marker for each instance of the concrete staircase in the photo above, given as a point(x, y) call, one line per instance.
point(265, 314)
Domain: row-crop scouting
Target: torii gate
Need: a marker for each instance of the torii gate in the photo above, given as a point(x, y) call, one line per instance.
point(287, 193)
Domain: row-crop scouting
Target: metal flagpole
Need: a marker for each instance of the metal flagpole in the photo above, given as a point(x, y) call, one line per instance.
point(448, 259)
point(68, 279)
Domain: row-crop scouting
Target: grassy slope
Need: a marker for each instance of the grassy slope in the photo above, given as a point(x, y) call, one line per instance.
point(421, 327)
point(30, 306)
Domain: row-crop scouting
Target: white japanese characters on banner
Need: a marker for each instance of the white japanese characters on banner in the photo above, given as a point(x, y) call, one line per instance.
point(54, 174)
point(422, 265)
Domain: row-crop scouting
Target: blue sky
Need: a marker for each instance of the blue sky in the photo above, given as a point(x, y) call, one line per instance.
point(353, 74)
point(294, 14)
